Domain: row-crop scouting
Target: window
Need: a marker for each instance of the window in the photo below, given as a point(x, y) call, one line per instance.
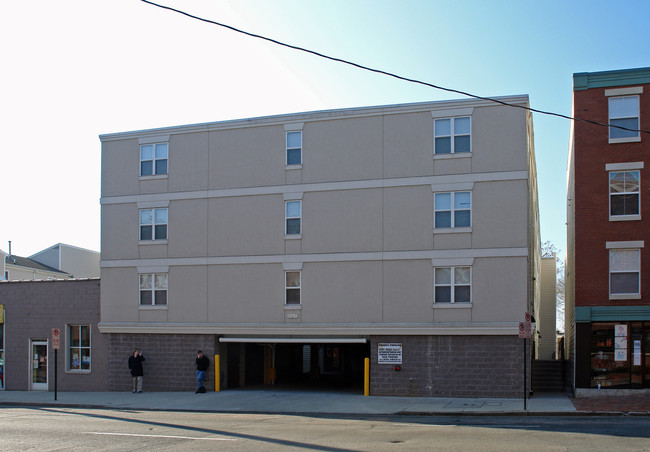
point(153, 159)
point(292, 287)
point(623, 193)
point(294, 148)
point(293, 217)
point(78, 347)
point(624, 272)
point(623, 112)
point(153, 289)
point(452, 135)
point(153, 224)
point(452, 285)
point(453, 210)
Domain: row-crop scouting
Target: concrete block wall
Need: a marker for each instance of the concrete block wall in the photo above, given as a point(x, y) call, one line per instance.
point(450, 366)
point(169, 360)
point(32, 309)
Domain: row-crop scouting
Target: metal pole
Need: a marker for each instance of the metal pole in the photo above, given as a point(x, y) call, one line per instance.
point(56, 355)
point(366, 377)
point(217, 375)
point(525, 379)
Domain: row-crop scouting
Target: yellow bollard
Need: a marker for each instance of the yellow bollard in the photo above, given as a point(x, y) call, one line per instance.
point(366, 377)
point(217, 379)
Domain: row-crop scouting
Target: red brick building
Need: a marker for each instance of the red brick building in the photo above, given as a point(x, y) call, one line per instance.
point(608, 266)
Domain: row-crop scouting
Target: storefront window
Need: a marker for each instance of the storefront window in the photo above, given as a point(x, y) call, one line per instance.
point(616, 355)
point(2, 356)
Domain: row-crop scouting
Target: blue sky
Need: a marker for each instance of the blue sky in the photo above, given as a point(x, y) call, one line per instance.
point(76, 69)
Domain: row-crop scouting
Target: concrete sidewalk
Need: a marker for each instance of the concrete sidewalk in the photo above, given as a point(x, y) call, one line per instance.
point(292, 402)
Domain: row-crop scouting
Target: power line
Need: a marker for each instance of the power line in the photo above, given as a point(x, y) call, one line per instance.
point(389, 74)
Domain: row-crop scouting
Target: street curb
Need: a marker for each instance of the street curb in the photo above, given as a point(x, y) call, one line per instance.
point(317, 414)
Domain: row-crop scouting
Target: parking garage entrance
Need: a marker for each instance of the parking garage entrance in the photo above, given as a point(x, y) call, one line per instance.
point(332, 364)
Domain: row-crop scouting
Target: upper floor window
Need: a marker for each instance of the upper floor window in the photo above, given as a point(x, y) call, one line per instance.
point(452, 135)
point(294, 148)
point(78, 353)
point(292, 287)
point(624, 271)
point(153, 159)
point(452, 284)
point(153, 224)
point(452, 210)
point(624, 112)
point(624, 193)
point(293, 216)
point(153, 289)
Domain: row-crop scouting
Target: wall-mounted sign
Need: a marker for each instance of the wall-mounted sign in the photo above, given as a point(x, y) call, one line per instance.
point(620, 342)
point(389, 353)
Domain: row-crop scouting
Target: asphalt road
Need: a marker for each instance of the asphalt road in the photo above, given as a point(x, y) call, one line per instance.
point(90, 429)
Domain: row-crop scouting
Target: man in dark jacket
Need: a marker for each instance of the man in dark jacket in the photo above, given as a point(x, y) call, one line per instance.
point(202, 364)
point(135, 365)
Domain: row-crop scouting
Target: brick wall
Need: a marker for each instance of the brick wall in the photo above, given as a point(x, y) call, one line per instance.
point(451, 366)
point(169, 360)
point(592, 225)
point(32, 309)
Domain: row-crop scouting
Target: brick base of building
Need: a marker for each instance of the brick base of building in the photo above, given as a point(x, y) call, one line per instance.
point(432, 366)
point(169, 360)
point(450, 366)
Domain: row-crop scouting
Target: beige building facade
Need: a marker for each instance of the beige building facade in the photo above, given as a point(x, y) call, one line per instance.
point(294, 246)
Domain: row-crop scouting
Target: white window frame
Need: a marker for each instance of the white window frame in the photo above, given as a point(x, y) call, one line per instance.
point(452, 285)
point(287, 288)
point(292, 148)
point(154, 159)
point(452, 211)
point(287, 218)
point(613, 248)
point(621, 217)
point(153, 289)
point(452, 135)
point(153, 225)
point(629, 139)
point(69, 347)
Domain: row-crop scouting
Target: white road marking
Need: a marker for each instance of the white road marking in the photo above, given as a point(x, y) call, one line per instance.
point(160, 436)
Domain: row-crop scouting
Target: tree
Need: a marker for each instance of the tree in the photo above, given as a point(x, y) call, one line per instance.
point(547, 251)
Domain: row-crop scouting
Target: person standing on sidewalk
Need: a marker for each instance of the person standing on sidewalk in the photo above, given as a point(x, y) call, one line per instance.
point(202, 364)
point(137, 372)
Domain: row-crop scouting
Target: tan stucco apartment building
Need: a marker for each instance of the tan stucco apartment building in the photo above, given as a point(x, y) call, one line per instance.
point(295, 246)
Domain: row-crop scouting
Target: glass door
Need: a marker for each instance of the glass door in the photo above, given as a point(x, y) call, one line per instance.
point(38, 367)
point(647, 356)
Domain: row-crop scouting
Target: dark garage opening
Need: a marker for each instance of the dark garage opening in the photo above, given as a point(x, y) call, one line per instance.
point(309, 366)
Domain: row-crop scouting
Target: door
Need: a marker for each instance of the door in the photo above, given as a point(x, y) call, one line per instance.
point(38, 366)
point(647, 356)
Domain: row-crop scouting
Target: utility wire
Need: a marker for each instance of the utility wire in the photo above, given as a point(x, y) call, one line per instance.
point(389, 74)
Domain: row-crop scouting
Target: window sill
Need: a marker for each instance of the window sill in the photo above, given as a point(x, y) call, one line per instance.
point(83, 372)
point(452, 305)
point(293, 167)
point(452, 230)
point(153, 307)
point(153, 242)
point(625, 296)
point(456, 155)
point(156, 177)
point(624, 140)
point(292, 307)
point(293, 236)
point(624, 217)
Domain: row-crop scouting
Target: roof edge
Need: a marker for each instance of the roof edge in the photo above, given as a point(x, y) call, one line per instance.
point(621, 77)
point(520, 100)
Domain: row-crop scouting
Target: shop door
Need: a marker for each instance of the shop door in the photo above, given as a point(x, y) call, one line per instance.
point(646, 361)
point(38, 366)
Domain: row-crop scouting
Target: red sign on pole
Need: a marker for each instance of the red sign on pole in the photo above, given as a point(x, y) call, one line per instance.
point(524, 330)
point(56, 338)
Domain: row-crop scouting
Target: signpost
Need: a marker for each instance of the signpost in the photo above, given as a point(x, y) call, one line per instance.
point(525, 328)
point(56, 342)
